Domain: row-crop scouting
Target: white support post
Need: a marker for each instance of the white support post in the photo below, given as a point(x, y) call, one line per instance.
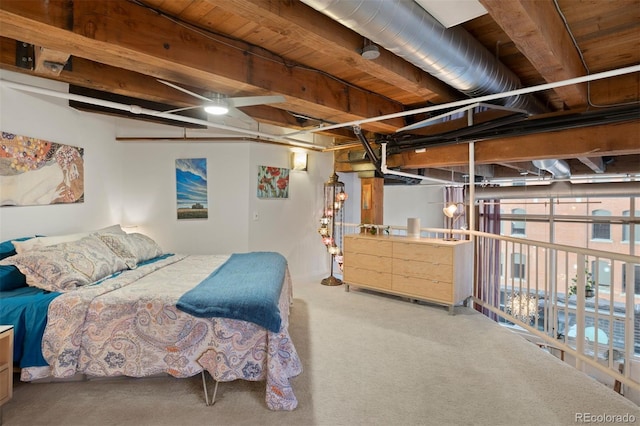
point(580, 307)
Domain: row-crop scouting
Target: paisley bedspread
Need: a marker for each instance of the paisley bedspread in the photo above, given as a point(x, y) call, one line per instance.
point(129, 326)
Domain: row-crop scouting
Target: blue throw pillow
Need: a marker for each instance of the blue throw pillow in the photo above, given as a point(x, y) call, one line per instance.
point(11, 278)
point(7, 249)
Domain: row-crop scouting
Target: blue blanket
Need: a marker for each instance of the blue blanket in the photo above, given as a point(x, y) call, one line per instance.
point(246, 287)
point(26, 309)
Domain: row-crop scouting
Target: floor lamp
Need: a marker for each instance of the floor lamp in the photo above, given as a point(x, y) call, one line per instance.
point(451, 211)
point(334, 198)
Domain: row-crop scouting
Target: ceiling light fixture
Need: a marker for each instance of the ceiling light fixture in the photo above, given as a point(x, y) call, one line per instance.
point(216, 107)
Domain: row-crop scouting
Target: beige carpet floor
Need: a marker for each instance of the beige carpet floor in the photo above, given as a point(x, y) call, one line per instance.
point(368, 359)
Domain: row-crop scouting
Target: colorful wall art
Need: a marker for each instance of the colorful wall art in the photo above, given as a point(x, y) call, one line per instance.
point(273, 182)
point(191, 188)
point(38, 172)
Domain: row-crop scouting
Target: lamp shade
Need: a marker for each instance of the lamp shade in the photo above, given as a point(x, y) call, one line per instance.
point(299, 161)
point(450, 210)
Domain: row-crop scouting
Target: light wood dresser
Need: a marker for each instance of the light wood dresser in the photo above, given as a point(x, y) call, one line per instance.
point(432, 270)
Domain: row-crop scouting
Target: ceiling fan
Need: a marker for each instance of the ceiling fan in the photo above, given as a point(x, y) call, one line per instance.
point(220, 105)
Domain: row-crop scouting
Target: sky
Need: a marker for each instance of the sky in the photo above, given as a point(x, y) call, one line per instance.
point(191, 182)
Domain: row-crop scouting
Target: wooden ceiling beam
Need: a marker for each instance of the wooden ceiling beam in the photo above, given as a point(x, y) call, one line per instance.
point(605, 140)
point(538, 31)
point(162, 49)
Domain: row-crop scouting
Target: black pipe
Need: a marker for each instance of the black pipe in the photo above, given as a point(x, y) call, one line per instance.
point(485, 131)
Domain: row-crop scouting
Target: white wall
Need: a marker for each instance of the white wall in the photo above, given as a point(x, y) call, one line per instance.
point(352, 186)
point(48, 118)
point(422, 201)
point(288, 226)
point(149, 199)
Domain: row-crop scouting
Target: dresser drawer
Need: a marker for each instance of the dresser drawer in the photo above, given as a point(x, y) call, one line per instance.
point(434, 253)
point(368, 261)
point(374, 246)
point(367, 277)
point(425, 270)
point(423, 288)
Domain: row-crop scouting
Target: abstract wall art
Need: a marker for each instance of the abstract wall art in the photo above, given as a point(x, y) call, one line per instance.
point(39, 172)
point(191, 188)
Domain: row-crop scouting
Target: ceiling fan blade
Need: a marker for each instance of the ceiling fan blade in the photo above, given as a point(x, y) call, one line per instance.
point(171, 111)
point(182, 89)
point(236, 113)
point(254, 100)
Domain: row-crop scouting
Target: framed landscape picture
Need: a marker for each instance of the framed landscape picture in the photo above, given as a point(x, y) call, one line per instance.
point(273, 182)
point(191, 188)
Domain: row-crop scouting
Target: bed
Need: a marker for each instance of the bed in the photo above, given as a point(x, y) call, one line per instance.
point(112, 304)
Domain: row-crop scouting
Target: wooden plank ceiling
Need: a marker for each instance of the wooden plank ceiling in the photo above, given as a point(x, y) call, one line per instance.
point(284, 47)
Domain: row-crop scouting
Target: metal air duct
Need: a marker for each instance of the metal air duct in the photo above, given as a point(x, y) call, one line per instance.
point(449, 54)
point(558, 168)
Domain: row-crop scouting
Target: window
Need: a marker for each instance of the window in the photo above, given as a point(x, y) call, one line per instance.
point(636, 278)
point(517, 226)
point(601, 230)
point(626, 228)
point(518, 266)
point(603, 274)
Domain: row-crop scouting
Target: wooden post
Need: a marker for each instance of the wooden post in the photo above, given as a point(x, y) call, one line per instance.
point(372, 200)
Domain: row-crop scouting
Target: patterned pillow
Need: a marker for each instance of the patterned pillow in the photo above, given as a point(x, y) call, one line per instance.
point(132, 248)
point(120, 247)
point(67, 266)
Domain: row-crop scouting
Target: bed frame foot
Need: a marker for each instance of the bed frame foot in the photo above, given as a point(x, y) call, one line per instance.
point(206, 393)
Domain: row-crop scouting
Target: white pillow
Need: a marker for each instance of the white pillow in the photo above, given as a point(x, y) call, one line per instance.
point(39, 242)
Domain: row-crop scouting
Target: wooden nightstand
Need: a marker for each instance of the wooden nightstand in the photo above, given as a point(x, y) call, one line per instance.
point(6, 365)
